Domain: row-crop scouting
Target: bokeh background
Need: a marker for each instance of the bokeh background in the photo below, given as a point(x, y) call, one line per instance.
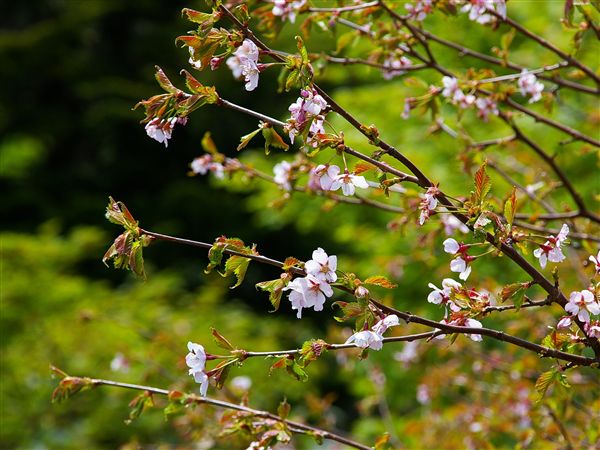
point(71, 71)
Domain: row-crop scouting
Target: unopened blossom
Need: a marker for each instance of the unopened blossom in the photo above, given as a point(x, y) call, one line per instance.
point(461, 266)
point(244, 62)
point(595, 260)
point(479, 10)
point(287, 9)
point(583, 303)
point(349, 182)
point(160, 129)
point(564, 322)
point(283, 175)
point(530, 86)
point(551, 249)
point(361, 292)
point(428, 203)
point(385, 323)
point(326, 174)
point(322, 266)
point(442, 296)
point(394, 66)
point(308, 292)
point(366, 339)
point(419, 10)
point(592, 329)
point(485, 107)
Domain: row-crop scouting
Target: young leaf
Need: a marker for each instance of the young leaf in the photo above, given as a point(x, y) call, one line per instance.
point(236, 265)
point(220, 340)
point(272, 139)
point(283, 410)
point(164, 81)
point(510, 207)
point(208, 144)
point(379, 280)
point(543, 383)
point(482, 184)
point(275, 290)
point(245, 140)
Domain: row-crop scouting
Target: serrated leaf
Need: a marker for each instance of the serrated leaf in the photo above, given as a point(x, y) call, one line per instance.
point(245, 140)
point(275, 290)
point(220, 339)
point(543, 383)
point(482, 184)
point(281, 363)
point(302, 50)
point(164, 81)
point(237, 265)
point(215, 256)
point(290, 262)
point(516, 291)
point(380, 280)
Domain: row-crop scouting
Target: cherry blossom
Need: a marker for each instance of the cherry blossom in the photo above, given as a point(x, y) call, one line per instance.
point(479, 10)
point(196, 361)
point(463, 321)
point(192, 60)
point(485, 107)
point(595, 260)
point(307, 107)
point(419, 10)
point(316, 130)
point(461, 266)
point(463, 100)
point(550, 250)
point(283, 175)
point(287, 9)
point(366, 339)
point(393, 66)
point(582, 303)
point(564, 322)
point(349, 182)
point(160, 129)
point(530, 86)
point(428, 204)
point(442, 296)
point(308, 292)
point(452, 224)
point(385, 323)
point(119, 363)
point(205, 163)
point(322, 266)
point(451, 88)
point(244, 62)
point(326, 174)
point(593, 329)
point(452, 246)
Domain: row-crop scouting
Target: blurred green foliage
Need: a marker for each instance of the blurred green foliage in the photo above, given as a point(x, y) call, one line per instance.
point(71, 71)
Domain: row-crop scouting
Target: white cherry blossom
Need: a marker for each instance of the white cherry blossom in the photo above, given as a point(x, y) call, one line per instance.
point(485, 107)
point(283, 175)
point(385, 323)
point(593, 329)
point(244, 62)
point(366, 339)
point(442, 296)
point(583, 303)
point(308, 292)
point(201, 378)
point(196, 358)
point(349, 182)
point(327, 174)
point(322, 266)
point(160, 129)
point(530, 86)
point(428, 203)
point(551, 249)
point(287, 9)
point(463, 321)
point(451, 246)
point(394, 66)
point(462, 267)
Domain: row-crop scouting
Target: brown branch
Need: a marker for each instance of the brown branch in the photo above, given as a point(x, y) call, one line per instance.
point(297, 426)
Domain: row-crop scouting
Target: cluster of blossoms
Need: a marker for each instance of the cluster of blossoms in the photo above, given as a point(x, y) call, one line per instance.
point(328, 178)
point(530, 86)
point(160, 129)
point(373, 338)
point(450, 290)
point(551, 249)
point(419, 10)
point(244, 62)
point(196, 361)
point(485, 105)
point(310, 291)
point(287, 9)
point(394, 65)
point(460, 263)
point(206, 163)
point(479, 10)
point(306, 109)
point(428, 203)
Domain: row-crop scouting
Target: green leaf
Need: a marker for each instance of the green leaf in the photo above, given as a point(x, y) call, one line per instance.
point(236, 265)
point(275, 290)
point(283, 410)
point(516, 291)
point(245, 140)
point(510, 207)
point(215, 256)
point(220, 339)
point(543, 382)
point(272, 139)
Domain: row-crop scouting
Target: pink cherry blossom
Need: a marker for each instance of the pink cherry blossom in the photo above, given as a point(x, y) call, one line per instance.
point(530, 86)
point(419, 10)
point(583, 303)
point(287, 9)
point(551, 249)
point(463, 321)
point(349, 182)
point(308, 292)
point(326, 174)
point(366, 339)
point(160, 129)
point(595, 260)
point(442, 296)
point(485, 107)
point(393, 66)
point(450, 87)
point(205, 163)
point(564, 322)
point(322, 266)
point(306, 108)
point(244, 62)
point(479, 10)
point(593, 329)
